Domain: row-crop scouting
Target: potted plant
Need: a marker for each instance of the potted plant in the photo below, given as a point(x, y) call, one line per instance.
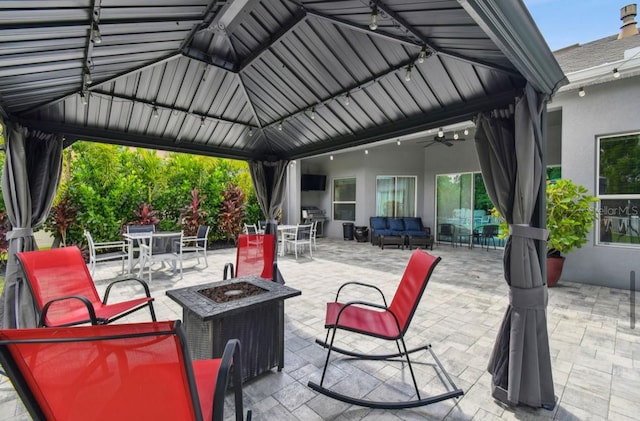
point(570, 217)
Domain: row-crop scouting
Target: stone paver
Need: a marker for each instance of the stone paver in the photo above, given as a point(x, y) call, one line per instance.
point(595, 353)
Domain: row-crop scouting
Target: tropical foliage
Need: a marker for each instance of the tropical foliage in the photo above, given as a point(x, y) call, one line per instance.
point(232, 212)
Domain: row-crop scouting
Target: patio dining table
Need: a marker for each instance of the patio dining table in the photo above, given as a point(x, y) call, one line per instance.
point(284, 231)
point(143, 238)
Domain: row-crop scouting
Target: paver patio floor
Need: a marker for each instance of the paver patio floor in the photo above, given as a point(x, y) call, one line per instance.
point(595, 352)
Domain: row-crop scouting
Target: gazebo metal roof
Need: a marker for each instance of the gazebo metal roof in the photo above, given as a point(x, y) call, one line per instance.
point(267, 79)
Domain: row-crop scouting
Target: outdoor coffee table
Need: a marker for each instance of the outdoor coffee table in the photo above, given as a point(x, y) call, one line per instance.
point(396, 240)
point(420, 242)
point(257, 321)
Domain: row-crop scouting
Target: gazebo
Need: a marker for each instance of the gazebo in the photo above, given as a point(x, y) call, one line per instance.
point(269, 81)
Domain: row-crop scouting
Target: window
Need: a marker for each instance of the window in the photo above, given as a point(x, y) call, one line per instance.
point(396, 196)
point(619, 189)
point(344, 199)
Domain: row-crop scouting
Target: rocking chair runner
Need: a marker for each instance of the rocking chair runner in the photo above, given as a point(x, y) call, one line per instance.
point(139, 371)
point(388, 323)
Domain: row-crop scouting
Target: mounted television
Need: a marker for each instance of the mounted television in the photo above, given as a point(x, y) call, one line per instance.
point(311, 182)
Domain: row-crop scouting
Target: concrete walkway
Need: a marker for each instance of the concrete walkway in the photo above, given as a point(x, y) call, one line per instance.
point(595, 353)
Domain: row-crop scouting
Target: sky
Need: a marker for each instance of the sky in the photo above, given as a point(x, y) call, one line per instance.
point(568, 22)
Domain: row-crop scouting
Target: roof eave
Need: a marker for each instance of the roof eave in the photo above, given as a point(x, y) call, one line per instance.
point(512, 29)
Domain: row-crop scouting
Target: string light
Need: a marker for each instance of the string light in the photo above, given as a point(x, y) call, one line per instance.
point(440, 132)
point(423, 54)
point(581, 92)
point(154, 113)
point(313, 113)
point(347, 101)
point(398, 142)
point(280, 126)
point(616, 73)
point(407, 75)
point(97, 37)
point(331, 157)
point(87, 77)
point(202, 120)
point(374, 18)
point(455, 136)
point(366, 151)
point(466, 132)
point(84, 98)
point(250, 131)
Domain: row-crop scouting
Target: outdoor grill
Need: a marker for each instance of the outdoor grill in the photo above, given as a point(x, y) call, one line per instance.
point(311, 214)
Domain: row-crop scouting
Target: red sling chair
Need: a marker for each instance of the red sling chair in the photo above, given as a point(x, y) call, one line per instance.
point(255, 256)
point(388, 323)
point(139, 371)
point(63, 289)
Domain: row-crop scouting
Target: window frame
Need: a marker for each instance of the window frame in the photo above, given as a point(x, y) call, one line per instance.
point(395, 192)
point(343, 202)
point(634, 210)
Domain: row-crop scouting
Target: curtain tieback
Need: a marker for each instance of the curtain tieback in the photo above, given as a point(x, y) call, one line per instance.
point(527, 231)
point(19, 232)
point(528, 298)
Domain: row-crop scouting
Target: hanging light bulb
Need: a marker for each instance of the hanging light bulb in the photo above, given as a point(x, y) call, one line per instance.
point(250, 131)
point(366, 151)
point(347, 101)
point(97, 37)
point(84, 98)
point(455, 136)
point(331, 157)
point(374, 18)
point(87, 77)
point(202, 120)
point(398, 142)
point(581, 92)
point(280, 126)
point(407, 75)
point(440, 132)
point(466, 132)
point(423, 54)
point(616, 73)
point(313, 113)
point(154, 113)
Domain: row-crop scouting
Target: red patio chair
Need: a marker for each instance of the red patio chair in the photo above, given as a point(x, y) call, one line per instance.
point(388, 323)
point(138, 371)
point(64, 291)
point(255, 256)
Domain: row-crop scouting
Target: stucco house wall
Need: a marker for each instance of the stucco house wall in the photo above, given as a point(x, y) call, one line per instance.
point(607, 109)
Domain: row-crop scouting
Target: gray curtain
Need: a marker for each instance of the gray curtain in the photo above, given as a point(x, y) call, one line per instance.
point(269, 184)
point(33, 161)
point(510, 151)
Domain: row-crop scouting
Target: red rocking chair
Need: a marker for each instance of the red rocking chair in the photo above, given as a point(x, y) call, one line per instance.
point(255, 256)
point(138, 371)
point(63, 289)
point(388, 323)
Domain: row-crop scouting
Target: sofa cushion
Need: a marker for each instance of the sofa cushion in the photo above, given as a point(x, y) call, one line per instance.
point(412, 224)
point(378, 223)
point(396, 224)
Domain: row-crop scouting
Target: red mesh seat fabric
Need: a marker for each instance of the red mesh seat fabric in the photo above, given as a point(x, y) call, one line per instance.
point(113, 372)
point(255, 255)
point(62, 272)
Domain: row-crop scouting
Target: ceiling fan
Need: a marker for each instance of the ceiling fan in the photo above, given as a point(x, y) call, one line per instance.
point(443, 140)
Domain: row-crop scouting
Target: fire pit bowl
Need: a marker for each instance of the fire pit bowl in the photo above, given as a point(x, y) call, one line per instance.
point(230, 292)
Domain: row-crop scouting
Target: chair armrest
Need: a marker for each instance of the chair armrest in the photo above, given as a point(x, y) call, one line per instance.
point(83, 299)
point(384, 300)
point(367, 304)
point(189, 238)
point(129, 278)
point(109, 245)
point(230, 357)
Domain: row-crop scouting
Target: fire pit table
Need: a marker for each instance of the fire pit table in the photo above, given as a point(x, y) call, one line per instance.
point(248, 308)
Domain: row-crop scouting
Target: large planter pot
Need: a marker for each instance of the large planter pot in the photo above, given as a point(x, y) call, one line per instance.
point(554, 270)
